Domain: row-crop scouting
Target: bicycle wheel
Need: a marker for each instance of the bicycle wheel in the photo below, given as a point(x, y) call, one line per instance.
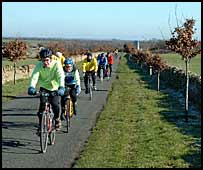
point(90, 90)
point(67, 114)
point(52, 132)
point(44, 132)
point(101, 74)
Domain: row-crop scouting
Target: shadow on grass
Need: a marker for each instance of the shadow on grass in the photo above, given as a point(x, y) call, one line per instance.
point(175, 114)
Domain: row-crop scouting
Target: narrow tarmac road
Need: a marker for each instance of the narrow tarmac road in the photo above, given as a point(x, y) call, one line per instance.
point(20, 144)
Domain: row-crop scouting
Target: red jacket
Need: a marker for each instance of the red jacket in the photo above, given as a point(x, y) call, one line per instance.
point(110, 59)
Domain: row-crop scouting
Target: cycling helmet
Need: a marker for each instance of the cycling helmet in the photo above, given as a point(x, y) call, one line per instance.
point(58, 54)
point(89, 57)
point(89, 54)
point(68, 61)
point(45, 53)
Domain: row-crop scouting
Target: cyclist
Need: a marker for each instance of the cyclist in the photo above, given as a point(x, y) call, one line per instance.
point(110, 62)
point(50, 76)
point(102, 63)
point(61, 58)
point(72, 80)
point(89, 65)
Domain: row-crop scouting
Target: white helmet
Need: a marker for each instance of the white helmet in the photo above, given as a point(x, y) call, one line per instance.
point(58, 54)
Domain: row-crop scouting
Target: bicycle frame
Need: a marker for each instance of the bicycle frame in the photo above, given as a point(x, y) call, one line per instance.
point(101, 75)
point(47, 124)
point(90, 86)
point(68, 108)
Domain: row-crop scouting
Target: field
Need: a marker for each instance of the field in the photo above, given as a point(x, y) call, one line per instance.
point(175, 60)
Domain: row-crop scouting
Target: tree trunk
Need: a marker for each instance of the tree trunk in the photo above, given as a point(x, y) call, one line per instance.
point(186, 91)
point(158, 75)
point(14, 68)
point(150, 70)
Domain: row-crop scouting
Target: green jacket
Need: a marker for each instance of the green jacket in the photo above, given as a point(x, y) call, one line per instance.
point(49, 78)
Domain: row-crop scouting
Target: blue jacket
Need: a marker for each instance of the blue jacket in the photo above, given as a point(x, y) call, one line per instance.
point(102, 61)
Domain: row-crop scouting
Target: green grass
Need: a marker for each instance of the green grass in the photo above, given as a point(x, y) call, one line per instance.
point(9, 90)
point(175, 60)
point(135, 131)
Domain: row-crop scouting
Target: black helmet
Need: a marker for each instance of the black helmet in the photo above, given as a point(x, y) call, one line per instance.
point(45, 53)
point(89, 54)
point(89, 57)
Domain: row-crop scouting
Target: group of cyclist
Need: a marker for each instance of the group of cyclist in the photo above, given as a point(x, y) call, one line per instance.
point(54, 73)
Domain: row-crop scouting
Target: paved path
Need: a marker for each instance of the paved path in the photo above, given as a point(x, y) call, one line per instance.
point(21, 146)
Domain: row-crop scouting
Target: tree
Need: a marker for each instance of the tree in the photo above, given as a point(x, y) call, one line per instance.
point(15, 50)
point(183, 44)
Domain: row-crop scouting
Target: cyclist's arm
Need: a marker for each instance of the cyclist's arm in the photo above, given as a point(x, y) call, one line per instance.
point(83, 67)
point(60, 75)
point(35, 75)
point(96, 65)
point(62, 60)
point(106, 61)
point(77, 77)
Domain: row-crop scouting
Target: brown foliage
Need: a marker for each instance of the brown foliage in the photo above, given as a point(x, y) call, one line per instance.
point(15, 50)
point(182, 42)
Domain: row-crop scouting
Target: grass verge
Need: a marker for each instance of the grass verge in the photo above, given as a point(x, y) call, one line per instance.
point(139, 128)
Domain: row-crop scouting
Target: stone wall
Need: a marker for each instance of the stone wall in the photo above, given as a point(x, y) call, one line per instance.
point(176, 78)
point(25, 71)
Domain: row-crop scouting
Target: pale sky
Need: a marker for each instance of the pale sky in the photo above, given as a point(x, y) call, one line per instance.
point(97, 20)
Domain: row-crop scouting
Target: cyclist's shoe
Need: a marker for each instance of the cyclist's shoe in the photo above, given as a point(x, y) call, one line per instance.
point(75, 109)
point(62, 117)
point(94, 88)
point(86, 91)
point(58, 124)
point(38, 131)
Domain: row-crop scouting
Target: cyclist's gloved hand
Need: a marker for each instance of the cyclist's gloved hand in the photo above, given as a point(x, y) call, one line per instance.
point(83, 74)
point(95, 73)
point(31, 91)
point(78, 89)
point(61, 91)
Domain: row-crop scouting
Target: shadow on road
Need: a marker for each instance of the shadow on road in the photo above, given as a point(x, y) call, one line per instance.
point(20, 146)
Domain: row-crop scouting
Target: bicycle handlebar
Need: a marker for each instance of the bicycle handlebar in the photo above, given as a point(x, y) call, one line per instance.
point(42, 93)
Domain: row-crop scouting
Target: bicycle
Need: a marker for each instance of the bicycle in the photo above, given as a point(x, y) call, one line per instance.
point(68, 107)
point(89, 85)
point(47, 123)
point(101, 72)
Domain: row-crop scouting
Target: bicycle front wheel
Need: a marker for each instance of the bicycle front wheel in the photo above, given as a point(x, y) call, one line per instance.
point(44, 132)
point(52, 133)
point(90, 90)
point(68, 113)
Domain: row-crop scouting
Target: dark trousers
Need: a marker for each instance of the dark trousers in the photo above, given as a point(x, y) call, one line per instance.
point(93, 79)
point(55, 103)
point(72, 92)
point(109, 66)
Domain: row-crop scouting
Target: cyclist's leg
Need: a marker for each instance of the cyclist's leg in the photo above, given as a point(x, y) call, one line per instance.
point(62, 107)
point(93, 80)
point(110, 66)
point(86, 83)
point(74, 99)
point(99, 69)
point(104, 72)
point(55, 102)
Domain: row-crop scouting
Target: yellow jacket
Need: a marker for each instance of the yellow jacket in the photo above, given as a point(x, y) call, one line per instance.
point(90, 66)
point(61, 59)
